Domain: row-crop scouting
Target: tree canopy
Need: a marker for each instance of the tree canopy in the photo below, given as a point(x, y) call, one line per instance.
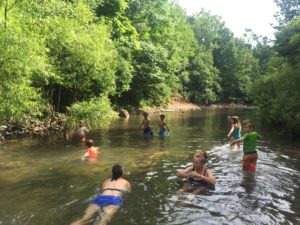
point(88, 57)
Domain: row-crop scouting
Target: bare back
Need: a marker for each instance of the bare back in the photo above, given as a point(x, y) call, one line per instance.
point(116, 187)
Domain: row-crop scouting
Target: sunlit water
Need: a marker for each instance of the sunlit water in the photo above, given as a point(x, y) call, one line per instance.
point(44, 181)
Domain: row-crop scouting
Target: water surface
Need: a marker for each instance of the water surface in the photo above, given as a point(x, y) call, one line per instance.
point(43, 181)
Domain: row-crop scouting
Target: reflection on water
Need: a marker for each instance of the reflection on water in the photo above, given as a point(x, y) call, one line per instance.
point(45, 182)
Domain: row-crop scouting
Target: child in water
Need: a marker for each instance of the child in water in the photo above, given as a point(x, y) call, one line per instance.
point(82, 130)
point(235, 131)
point(147, 131)
point(162, 126)
point(91, 151)
point(249, 147)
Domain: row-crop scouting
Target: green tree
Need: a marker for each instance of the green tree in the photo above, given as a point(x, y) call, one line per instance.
point(289, 9)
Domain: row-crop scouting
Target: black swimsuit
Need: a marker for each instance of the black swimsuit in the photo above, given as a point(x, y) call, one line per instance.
point(201, 182)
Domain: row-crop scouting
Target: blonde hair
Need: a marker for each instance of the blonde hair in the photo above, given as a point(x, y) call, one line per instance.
point(199, 154)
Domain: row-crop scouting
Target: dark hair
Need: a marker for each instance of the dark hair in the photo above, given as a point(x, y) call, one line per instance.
point(235, 119)
point(117, 172)
point(162, 116)
point(145, 114)
point(89, 143)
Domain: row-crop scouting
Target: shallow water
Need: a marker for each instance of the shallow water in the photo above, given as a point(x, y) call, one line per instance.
point(43, 181)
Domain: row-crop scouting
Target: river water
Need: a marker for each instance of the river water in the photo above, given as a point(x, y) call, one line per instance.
point(43, 181)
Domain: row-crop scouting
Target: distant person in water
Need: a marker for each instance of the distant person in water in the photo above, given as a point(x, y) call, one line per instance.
point(249, 146)
point(109, 202)
point(162, 126)
point(92, 152)
point(147, 131)
point(235, 131)
point(82, 131)
point(199, 176)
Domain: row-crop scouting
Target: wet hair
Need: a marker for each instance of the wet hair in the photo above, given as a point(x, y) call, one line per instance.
point(117, 172)
point(145, 114)
point(201, 154)
point(162, 116)
point(89, 143)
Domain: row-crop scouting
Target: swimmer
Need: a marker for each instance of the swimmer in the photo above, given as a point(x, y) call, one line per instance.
point(200, 177)
point(235, 131)
point(109, 202)
point(91, 151)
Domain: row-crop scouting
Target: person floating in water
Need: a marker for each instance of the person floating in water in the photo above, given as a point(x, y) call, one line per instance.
point(162, 126)
point(147, 131)
point(109, 202)
point(235, 131)
point(249, 146)
point(82, 131)
point(200, 177)
point(91, 151)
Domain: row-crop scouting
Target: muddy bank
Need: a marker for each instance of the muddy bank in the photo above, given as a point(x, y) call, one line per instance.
point(179, 104)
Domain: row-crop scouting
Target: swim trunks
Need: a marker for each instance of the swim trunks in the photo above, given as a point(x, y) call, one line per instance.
point(249, 162)
point(148, 131)
point(161, 131)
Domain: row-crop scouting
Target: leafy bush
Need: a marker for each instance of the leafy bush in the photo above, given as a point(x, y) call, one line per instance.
point(96, 112)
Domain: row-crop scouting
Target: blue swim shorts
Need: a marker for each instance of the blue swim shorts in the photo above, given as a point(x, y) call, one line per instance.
point(105, 200)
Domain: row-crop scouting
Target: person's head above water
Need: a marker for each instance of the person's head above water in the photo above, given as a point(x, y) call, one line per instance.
point(89, 143)
point(162, 116)
point(145, 114)
point(200, 158)
point(248, 125)
point(117, 172)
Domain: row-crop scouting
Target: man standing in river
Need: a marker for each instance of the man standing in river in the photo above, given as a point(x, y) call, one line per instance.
point(109, 202)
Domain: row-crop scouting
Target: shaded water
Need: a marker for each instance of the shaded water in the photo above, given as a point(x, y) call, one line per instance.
point(43, 181)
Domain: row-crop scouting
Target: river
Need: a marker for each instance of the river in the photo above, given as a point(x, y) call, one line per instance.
point(43, 181)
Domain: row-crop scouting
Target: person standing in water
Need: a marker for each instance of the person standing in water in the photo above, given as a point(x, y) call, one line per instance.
point(147, 131)
point(162, 126)
point(82, 131)
point(235, 131)
point(249, 146)
point(109, 202)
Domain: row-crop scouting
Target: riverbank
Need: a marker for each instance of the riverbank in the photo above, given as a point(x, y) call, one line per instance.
point(56, 124)
point(179, 104)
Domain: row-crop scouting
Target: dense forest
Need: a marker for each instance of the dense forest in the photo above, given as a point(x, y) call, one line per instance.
point(85, 58)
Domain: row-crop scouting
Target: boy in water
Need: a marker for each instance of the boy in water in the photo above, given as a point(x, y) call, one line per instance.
point(146, 126)
point(162, 126)
point(249, 146)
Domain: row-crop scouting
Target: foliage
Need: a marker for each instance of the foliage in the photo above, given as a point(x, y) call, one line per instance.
point(149, 85)
point(289, 9)
point(83, 56)
point(96, 112)
point(277, 93)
